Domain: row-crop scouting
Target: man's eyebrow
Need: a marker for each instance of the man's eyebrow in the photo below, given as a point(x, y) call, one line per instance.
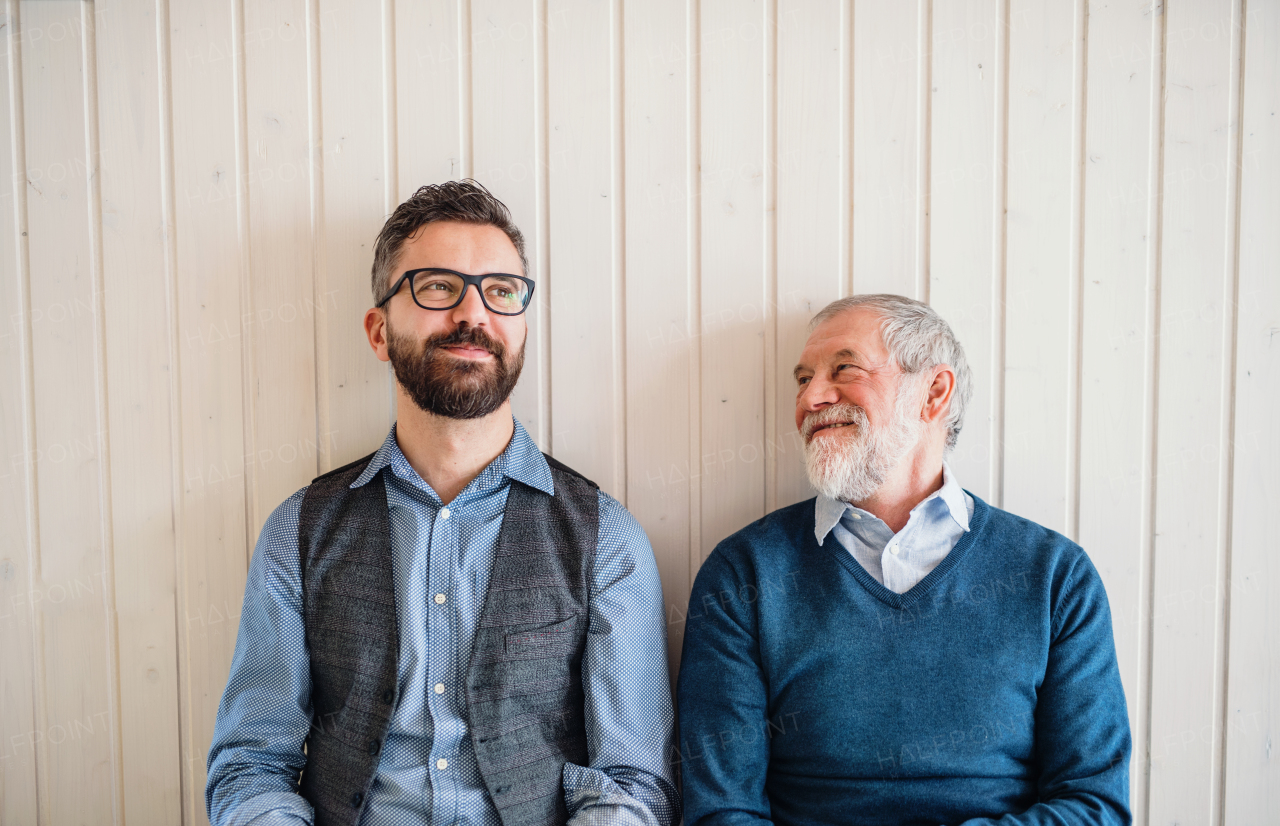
point(795, 374)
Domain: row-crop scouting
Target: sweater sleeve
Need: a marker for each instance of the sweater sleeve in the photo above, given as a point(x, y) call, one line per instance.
point(1082, 725)
point(723, 703)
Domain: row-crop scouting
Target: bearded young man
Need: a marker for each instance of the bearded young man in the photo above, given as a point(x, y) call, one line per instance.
point(897, 650)
point(454, 629)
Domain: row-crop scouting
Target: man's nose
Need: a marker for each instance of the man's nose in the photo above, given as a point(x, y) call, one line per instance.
point(472, 309)
point(818, 393)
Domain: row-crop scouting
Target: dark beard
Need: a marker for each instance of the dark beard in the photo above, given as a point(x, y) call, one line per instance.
point(449, 386)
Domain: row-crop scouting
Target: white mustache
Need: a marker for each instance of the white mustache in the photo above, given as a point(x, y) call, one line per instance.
point(837, 413)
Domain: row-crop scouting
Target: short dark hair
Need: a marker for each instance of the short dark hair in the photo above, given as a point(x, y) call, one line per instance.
point(465, 201)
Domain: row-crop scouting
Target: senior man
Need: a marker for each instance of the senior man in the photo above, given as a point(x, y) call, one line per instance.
point(454, 629)
point(897, 650)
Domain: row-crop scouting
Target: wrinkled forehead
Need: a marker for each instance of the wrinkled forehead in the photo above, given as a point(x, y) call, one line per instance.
point(852, 334)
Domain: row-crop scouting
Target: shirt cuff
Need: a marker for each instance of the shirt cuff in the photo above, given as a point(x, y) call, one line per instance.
point(272, 809)
point(594, 799)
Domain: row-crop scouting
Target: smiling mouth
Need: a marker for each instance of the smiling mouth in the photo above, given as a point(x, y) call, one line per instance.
point(466, 351)
point(823, 427)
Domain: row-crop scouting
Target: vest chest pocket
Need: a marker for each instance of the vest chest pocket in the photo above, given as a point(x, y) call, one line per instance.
point(550, 640)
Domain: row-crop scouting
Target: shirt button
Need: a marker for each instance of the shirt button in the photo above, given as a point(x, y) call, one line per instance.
point(439, 688)
point(857, 516)
point(441, 599)
point(893, 549)
point(444, 513)
point(442, 764)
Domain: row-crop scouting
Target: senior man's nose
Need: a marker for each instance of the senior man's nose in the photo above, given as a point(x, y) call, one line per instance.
point(814, 396)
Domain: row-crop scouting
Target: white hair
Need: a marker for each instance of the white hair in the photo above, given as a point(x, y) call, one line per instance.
point(917, 339)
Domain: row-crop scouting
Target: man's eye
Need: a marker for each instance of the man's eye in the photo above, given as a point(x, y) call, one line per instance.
point(802, 381)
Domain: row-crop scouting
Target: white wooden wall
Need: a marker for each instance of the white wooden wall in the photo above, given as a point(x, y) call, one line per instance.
point(1088, 191)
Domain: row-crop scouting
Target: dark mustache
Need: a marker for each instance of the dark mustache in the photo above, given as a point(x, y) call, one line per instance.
point(469, 336)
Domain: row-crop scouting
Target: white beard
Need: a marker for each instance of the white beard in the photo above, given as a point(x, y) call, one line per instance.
point(850, 466)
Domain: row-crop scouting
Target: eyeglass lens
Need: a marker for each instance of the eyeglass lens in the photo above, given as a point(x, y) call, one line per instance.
point(439, 290)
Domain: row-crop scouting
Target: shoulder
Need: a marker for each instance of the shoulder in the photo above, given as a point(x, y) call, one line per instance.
point(780, 530)
point(622, 547)
point(282, 525)
point(1062, 564)
point(564, 473)
point(276, 553)
point(775, 540)
point(1018, 536)
point(341, 477)
point(615, 519)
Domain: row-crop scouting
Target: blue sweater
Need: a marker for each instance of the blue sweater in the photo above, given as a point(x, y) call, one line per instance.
point(811, 694)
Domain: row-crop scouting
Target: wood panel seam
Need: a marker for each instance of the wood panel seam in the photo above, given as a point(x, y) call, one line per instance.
point(1155, 223)
point(106, 525)
point(1000, 255)
point(26, 341)
point(182, 653)
point(248, 379)
point(1226, 477)
point(319, 256)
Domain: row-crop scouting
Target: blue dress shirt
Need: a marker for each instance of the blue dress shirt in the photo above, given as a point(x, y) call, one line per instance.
point(899, 561)
point(442, 558)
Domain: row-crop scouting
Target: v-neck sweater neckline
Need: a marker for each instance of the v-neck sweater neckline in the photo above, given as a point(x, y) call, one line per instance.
point(977, 524)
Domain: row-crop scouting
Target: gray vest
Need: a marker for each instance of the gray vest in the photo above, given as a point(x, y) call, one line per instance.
point(524, 684)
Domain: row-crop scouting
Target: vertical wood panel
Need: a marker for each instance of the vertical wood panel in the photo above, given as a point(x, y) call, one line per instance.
point(427, 68)
point(1117, 343)
point(659, 327)
point(1252, 789)
point(354, 191)
point(585, 420)
point(212, 336)
point(1041, 283)
point(732, 267)
point(1189, 554)
point(20, 697)
point(69, 433)
point(964, 272)
point(809, 195)
point(504, 34)
point(138, 372)
point(886, 204)
point(280, 166)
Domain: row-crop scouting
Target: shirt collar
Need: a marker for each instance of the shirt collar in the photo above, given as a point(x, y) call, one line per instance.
point(828, 512)
point(521, 461)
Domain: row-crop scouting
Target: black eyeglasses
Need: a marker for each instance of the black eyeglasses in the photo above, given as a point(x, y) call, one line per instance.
point(434, 288)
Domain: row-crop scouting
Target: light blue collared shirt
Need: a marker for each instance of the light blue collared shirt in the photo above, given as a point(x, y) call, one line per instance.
point(899, 561)
point(442, 558)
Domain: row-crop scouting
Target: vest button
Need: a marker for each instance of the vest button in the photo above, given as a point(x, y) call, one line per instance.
point(373, 746)
point(388, 696)
point(357, 799)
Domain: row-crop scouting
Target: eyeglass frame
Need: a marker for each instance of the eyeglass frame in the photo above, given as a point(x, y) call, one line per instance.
point(467, 280)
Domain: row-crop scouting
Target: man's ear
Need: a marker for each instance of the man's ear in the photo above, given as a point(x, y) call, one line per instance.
point(375, 327)
point(937, 399)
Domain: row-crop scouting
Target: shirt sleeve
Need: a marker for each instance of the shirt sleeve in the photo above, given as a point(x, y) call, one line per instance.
point(721, 693)
point(1082, 725)
point(257, 755)
point(629, 717)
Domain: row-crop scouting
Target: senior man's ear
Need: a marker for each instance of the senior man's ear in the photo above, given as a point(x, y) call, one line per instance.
point(937, 401)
